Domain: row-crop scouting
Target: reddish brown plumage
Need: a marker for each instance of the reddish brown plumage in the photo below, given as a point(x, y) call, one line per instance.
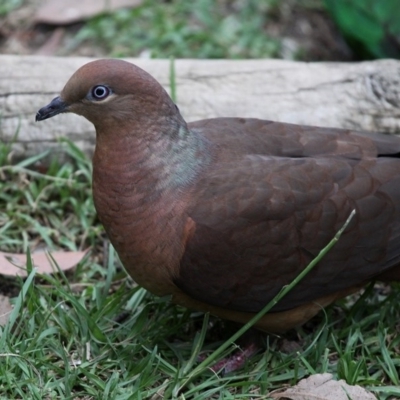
point(222, 213)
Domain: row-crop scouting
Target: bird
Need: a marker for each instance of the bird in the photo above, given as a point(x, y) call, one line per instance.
point(220, 214)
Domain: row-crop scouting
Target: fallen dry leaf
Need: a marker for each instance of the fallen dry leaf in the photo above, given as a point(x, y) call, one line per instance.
point(63, 12)
point(323, 387)
point(5, 309)
point(15, 264)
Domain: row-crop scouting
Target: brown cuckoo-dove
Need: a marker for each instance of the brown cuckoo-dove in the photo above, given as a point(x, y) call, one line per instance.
point(222, 213)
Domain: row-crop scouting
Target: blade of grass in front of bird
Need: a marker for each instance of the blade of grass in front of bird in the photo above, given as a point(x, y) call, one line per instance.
point(172, 80)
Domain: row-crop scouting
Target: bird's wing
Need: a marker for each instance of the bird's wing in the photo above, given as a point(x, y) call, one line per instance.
point(256, 136)
point(260, 219)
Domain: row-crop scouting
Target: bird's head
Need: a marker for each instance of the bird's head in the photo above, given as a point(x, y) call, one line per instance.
point(110, 91)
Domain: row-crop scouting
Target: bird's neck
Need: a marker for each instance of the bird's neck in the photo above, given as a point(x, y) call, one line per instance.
point(155, 156)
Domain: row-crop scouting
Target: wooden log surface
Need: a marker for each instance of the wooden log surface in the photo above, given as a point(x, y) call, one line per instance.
point(362, 96)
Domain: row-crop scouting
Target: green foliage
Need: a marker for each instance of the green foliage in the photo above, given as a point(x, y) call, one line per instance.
point(372, 27)
point(186, 29)
point(54, 207)
point(8, 5)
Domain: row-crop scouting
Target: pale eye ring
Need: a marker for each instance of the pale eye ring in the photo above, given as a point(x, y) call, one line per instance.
point(100, 92)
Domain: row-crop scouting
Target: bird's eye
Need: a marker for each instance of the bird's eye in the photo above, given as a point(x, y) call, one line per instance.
point(100, 92)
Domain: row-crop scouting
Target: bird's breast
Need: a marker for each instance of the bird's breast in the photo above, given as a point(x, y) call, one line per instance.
point(146, 226)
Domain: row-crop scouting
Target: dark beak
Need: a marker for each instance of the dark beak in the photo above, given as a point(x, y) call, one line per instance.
point(56, 106)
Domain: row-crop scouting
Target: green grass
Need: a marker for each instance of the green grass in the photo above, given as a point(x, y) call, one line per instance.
point(55, 207)
point(184, 29)
point(7, 6)
point(93, 334)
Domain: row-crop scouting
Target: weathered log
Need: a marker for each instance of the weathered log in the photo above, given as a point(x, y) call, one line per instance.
point(362, 96)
